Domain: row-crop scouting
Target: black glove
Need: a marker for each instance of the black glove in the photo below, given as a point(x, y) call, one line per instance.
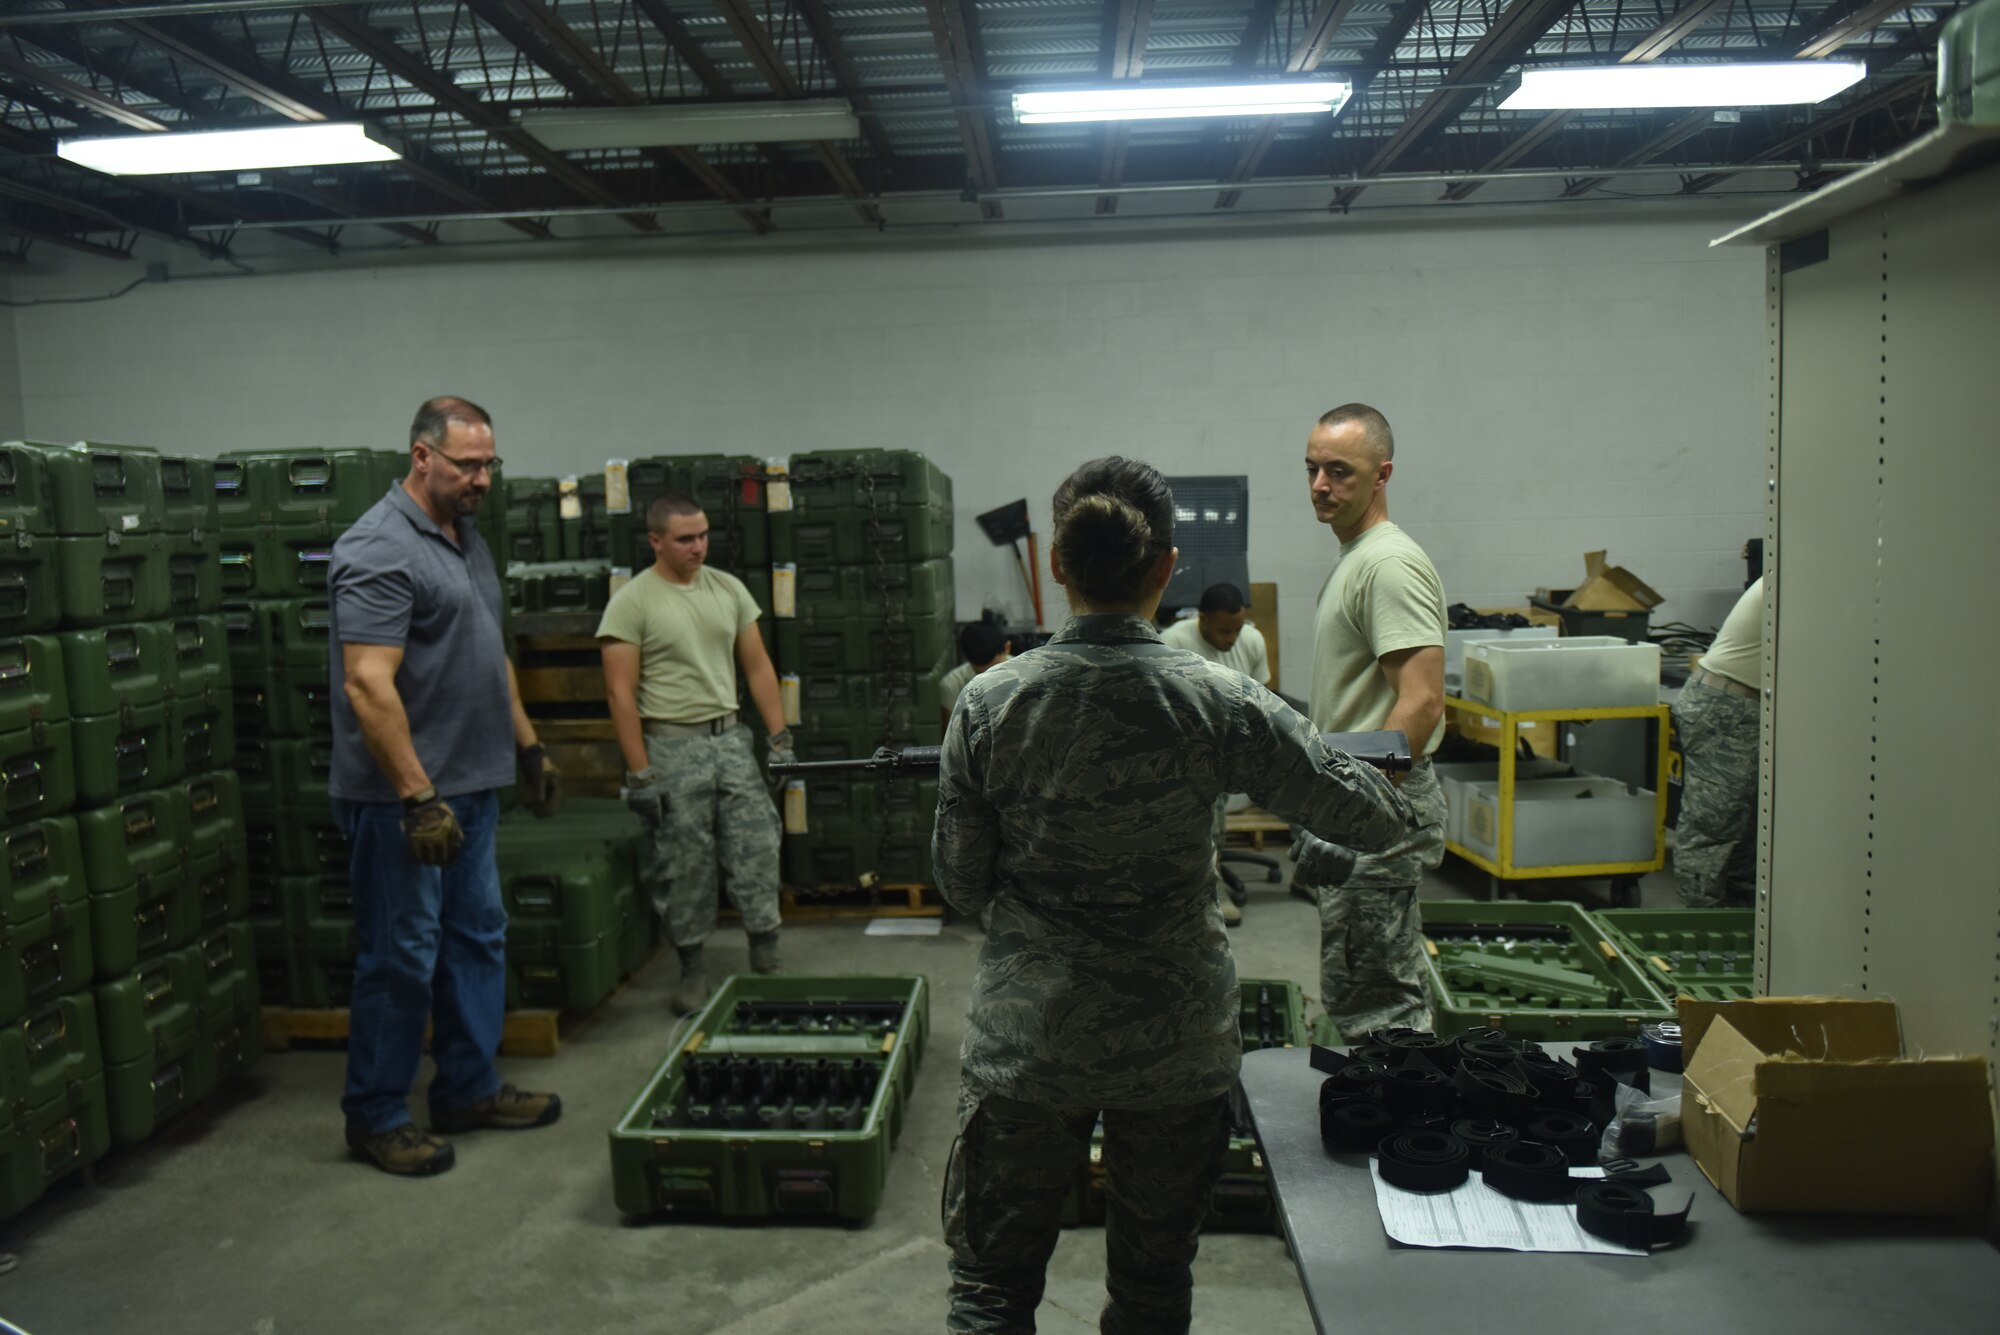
point(646, 796)
point(431, 828)
point(1320, 863)
point(541, 780)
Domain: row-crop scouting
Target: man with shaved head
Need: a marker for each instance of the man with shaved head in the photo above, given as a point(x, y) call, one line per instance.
point(1378, 662)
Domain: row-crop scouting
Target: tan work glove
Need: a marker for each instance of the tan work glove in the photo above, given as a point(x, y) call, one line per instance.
point(541, 781)
point(432, 830)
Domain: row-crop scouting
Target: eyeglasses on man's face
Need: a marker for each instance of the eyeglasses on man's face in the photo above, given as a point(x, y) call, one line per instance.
point(469, 467)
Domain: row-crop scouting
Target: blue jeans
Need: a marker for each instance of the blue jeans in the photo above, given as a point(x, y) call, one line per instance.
point(433, 943)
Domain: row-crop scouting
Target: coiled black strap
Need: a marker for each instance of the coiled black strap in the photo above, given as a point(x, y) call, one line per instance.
point(1501, 1093)
point(1568, 1132)
point(1418, 1089)
point(1527, 1171)
point(1351, 1125)
point(1622, 1213)
point(1424, 1160)
point(1478, 1134)
point(1610, 1054)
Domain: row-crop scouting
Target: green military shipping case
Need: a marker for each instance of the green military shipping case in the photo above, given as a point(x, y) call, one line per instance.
point(221, 882)
point(1707, 954)
point(533, 520)
point(93, 489)
point(158, 913)
point(52, 1048)
point(890, 856)
point(110, 577)
point(1543, 971)
point(329, 489)
point(559, 586)
point(172, 1073)
point(901, 535)
point(122, 753)
point(225, 964)
point(288, 702)
point(140, 834)
point(545, 972)
point(813, 642)
point(784, 1102)
point(30, 584)
point(864, 482)
point(301, 770)
point(187, 494)
point(34, 686)
point(44, 957)
point(194, 573)
point(41, 1145)
point(37, 773)
point(214, 805)
point(110, 667)
point(888, 593)
point(24, 489)
point(284, 561)
point(200, 647)
point(569, 872)
point(838, 807)
point(41, 864)
point(891, 701)
point(313, 971)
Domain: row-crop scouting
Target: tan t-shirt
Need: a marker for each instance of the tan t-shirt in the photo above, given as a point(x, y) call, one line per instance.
point(1384, 595)
point(1738, 651)
point(953, 682)
point(1248, 655)
point(687, 641)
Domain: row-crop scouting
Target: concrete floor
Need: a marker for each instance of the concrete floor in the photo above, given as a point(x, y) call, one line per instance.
point(253, 1220)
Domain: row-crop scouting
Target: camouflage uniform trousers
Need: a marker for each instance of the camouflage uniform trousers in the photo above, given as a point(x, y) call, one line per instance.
point(1010, 1170)
point(1371, 973)
point(720, 812)
point(1715, 851)
point(1221, 830)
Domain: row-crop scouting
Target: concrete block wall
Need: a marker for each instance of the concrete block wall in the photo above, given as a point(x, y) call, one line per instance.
point(1555, 386)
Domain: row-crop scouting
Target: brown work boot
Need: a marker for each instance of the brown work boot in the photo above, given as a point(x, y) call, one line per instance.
point(505, 1109)
point(405, 1151)
point(764, 951)
point(691, 993)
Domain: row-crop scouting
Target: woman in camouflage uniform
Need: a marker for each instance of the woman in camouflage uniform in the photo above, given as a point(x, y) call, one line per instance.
point(1077, 781)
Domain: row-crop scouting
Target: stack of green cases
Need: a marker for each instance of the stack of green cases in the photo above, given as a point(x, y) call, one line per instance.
point(533, 522)
point(576, 918)
point(1543, 971)
point(670, 1157)
point(861, 546)
point(731, 491)
point(1707, 954)
point(1273, 1016)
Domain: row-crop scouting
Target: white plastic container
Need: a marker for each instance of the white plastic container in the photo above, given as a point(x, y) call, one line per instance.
point(1581, 672)
point(1454, 775)
point(1456, 640)
point(1562, 822)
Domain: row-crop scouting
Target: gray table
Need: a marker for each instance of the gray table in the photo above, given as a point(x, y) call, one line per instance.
point(1824, 1275)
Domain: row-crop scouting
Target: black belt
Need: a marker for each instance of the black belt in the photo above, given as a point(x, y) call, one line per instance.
point(1624, 1214)
point(1425, 1161)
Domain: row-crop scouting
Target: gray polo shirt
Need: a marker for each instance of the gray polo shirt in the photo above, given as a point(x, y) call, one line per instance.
point(397, 579)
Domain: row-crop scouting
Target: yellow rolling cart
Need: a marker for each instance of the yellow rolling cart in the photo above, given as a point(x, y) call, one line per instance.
point(1624, 875)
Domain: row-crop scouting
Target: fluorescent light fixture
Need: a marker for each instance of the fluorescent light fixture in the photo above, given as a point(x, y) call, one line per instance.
point(1683, 85)
point(227, 150)
point(566, 129)
point(1297, 98)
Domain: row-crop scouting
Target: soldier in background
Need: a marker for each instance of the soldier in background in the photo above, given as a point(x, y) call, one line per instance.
point(1075, 789)
point(672, 641)
point(1378, 662)
point(1717, 718)
point(982, 644)
point(1221, 632)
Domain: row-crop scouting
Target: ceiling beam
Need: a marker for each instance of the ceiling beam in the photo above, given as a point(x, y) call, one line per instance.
point(1126, 23)
point(89, 98)
point(1914, 86)
point(1648, 48)
point(1257, 29)
point(1517, 28)
point(758, 44)
point(83, 57)
point(76, 243)
point(955, 31)
point(97, 213)
point(290, 183)
point(542, 36)
point(354, 30)
point(1838, 29)
point(1306, 55)
point(681, 41)
point(827, 37)
point(173, 9)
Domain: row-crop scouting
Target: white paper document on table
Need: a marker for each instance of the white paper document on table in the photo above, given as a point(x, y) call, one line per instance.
point(1474, 1215)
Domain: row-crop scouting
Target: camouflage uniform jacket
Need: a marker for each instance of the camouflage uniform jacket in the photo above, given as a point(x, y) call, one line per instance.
point(1076, 787)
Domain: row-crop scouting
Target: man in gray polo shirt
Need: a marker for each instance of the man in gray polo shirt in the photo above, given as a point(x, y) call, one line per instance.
point(421, 690)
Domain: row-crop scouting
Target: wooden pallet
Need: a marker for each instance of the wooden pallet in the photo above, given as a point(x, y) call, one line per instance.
point(524, 1033)
point(1252, 825)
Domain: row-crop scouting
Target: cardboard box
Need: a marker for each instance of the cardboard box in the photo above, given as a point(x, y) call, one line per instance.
point(1808, 1104)
point(1607, 588)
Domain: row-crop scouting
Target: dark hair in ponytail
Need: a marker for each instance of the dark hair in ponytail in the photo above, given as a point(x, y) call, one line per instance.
point(1114, 518)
